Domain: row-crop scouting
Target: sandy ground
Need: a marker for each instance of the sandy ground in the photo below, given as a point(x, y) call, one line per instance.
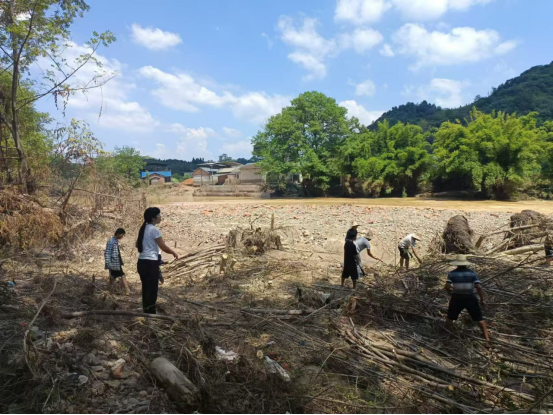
point(313, 233)
point(317, 226)
point(543, 206)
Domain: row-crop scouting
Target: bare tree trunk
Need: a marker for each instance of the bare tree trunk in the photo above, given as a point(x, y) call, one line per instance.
point(3, 160)
point(70, 191)
point(24, 170)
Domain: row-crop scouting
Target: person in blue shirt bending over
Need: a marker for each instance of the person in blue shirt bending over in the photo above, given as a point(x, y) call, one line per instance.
point(462, 284)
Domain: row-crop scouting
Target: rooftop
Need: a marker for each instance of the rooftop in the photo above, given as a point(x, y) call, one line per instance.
point(220, 164)
point(161, 173)
point(229, 170)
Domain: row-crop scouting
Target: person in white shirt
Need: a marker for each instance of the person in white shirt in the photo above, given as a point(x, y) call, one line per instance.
point(407, 249)
point(362, 243)
point(149, 243)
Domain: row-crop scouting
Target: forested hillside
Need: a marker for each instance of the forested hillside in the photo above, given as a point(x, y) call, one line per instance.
point(531, 91)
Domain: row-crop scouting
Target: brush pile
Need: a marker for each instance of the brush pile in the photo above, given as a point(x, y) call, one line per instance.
point(458, 235)
point(274, 333)
point(397, 334)
point(525, 233)
point(194, 264)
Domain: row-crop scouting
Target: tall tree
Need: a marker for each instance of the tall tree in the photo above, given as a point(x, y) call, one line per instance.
point(33, 29)
point(304, 138)
point(392, 159)
point(128, 162)
point(224, 157)
point(497, 154)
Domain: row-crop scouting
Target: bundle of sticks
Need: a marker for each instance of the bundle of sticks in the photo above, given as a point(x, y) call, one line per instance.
point(435, 374)
point(204, 260)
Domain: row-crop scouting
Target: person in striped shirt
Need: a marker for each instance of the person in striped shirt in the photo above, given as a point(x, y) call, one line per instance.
point(463, 284)
point(114, 262)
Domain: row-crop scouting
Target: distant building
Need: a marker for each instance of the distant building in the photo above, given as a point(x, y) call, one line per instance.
point(206, 173)
point(228, 175)
point(251, 174)
point(156, 177)
point(204, 176)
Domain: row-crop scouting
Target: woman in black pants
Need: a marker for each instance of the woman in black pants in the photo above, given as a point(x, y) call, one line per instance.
point(149, 243)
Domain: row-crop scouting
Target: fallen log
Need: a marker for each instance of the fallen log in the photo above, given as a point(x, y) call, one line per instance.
point(524, 249)
point(178, 387)
point(511, 230)
point(281, 312)
point(77, 314)
point(203, 305)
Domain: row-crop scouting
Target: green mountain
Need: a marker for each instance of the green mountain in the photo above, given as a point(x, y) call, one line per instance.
point(530, 91)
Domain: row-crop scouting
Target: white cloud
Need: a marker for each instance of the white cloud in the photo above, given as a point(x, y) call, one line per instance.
point(360, 11)
point(270, 42)
point(314, 65)
point(365, 116)
point(360, 40)
point(421, 10)
point(461, 45)
point(108, 105)
point(126, 116)
point(232, 133)
point(366, 88)
point(387, 51)
point(311, 47)
point(242, 148)
point(162, 153)
point(154, 38)
point(192, 141)
point(312, 51)
point(184, 93)
point(446, 93)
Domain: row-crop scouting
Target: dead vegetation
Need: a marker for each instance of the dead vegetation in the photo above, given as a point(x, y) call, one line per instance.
point(457, 236)
point(268, 330)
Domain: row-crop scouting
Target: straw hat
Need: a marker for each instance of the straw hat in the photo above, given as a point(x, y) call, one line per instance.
point(460, 260)
point(367, 232)
point(416, 237)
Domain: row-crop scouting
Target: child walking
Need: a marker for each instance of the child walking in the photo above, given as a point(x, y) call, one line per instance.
point(114, 262)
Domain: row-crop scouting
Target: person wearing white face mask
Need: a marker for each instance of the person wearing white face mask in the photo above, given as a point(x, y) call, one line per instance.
point(149, 243)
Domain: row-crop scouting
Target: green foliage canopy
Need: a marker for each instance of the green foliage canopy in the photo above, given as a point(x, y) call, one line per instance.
point(304, 138)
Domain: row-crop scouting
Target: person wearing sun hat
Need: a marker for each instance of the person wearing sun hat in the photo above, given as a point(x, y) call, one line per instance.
point(407, 249)
point(364, 242)
point(462, 284)
point(351, 268)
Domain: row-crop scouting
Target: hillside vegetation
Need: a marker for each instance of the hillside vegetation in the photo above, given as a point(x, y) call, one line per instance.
point(497, 155)
point(532, 91)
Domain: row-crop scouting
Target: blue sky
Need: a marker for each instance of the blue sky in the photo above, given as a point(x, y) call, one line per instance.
point(199, 78)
